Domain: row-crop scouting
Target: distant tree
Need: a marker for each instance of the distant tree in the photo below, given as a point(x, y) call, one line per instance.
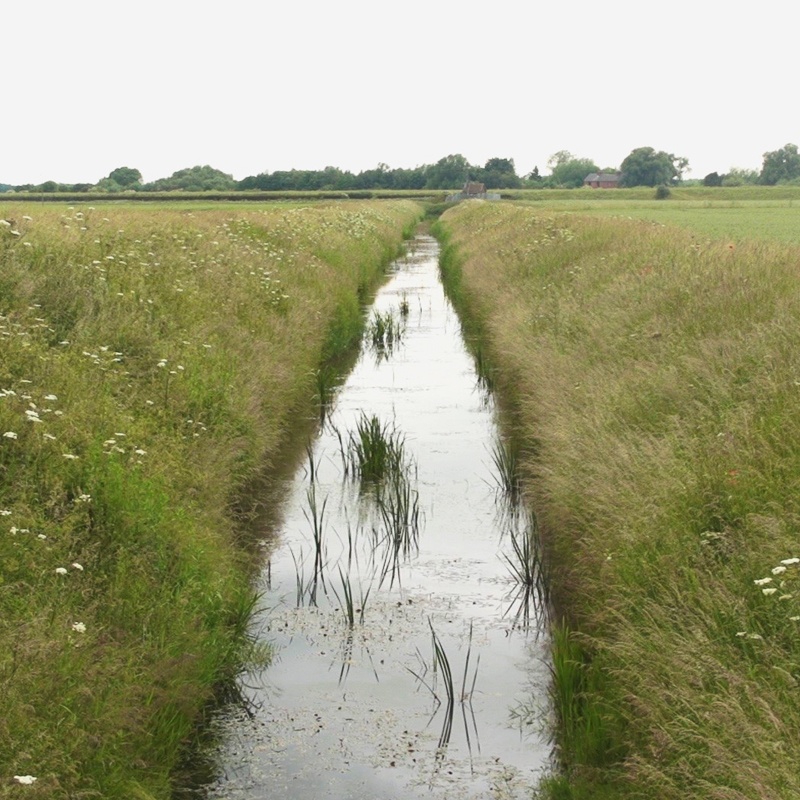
point(780, 166)
point(568, 171)
point(736, 176)
point(450, 172)
point(500, 173)
point(194, 179)
point(48, 186)
point(645, 166)
point(126, 177)
point(712, 179)
point(533, 177)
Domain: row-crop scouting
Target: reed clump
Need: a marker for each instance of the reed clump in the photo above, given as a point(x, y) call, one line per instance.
point(657, 373)
point(150, 361)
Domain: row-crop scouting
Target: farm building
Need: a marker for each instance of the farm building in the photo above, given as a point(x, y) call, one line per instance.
point(602, 180)
point(473, 191)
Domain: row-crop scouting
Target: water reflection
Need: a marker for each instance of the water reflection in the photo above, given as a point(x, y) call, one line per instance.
point(404, 601)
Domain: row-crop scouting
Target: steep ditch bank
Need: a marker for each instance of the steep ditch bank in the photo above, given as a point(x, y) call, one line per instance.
point(653, 369)
point(151, 360)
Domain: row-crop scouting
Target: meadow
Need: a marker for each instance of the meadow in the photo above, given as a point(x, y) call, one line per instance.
point(653, 372)
point(152, 361)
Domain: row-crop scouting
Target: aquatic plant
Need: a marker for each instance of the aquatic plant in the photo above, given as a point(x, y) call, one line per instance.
point(384, 332)
point(400, 518)
point(527, 568)
point(373, 452)
point(505, 459)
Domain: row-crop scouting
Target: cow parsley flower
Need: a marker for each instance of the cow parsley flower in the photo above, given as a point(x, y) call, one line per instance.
point(78, 627)
point(762, 581)
point(61, 571)
point(25, 780)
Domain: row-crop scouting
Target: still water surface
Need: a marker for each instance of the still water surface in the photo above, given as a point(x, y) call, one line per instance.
point(360, 711)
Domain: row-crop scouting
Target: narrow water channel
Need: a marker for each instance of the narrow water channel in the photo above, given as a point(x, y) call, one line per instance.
point(366, 622)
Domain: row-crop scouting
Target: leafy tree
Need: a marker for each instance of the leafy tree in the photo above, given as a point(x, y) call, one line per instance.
point(740, 177)
point(712, 179)
point(568, 171)
point(500, 173)
point(194, 179)
point(126, 177)
point(450, 172)
point(533, 177)
point(780, 166)
point(645, 166)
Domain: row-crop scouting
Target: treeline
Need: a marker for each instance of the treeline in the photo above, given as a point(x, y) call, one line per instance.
point(449, 172)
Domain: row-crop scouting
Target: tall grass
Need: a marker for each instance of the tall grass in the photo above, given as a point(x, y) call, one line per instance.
point(150, 362)
point(657, 373)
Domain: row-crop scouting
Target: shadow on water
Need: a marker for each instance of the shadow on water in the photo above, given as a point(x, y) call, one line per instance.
point(404, 600)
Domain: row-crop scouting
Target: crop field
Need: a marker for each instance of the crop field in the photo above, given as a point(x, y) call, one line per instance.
point(736, 221)
point(654, 370)
point(151, 361)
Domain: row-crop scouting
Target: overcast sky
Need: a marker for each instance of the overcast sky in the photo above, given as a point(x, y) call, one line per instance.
point(252, 86)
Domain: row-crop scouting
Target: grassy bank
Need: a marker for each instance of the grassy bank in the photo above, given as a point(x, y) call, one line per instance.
point(656, 377)
point(150, 361)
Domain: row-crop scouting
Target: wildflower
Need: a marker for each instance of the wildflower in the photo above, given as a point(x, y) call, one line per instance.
point(789, 561)
point(70, 456)
point(78, 627)
point(49, 436)
point(769, 591)
point(83, 498)
point(786, 597)
point(41, 536)
point(9, 435)
point(25, 780)
point(140, 452)
point(61, 571)
point(778, 570)
point(4, 512)
point(77, 566)
point(794, 619)
point(762, 581)
point(50, 397)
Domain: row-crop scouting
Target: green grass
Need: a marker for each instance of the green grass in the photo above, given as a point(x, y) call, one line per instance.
point(656, 371)
point(151, 361)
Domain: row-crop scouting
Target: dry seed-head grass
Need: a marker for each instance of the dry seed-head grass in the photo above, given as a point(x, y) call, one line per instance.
point(659, 379)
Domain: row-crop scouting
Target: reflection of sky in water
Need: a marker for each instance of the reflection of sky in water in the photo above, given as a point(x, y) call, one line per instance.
point(352, 714)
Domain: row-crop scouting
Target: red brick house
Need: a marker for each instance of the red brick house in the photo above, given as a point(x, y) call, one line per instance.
point(602, 180)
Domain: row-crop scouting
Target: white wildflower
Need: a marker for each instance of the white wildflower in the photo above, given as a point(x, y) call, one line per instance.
point(70, 456)
point(789, 561)
point(778, 570)
point(25, 780)
point(9, 435)
point(79, 627)
point(769, 591)
point(762, 581)
point(77, 566)
point(61, 570)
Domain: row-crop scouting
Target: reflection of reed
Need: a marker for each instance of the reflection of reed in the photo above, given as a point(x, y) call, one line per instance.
point(527, 568)
point(443, 673)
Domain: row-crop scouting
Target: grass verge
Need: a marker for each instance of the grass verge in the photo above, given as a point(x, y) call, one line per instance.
point(150, 362)
point(656, 376)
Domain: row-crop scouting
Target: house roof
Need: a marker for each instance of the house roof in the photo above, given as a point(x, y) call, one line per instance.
point(601, 176)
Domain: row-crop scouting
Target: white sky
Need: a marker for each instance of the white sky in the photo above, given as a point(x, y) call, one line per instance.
point(250, 86)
